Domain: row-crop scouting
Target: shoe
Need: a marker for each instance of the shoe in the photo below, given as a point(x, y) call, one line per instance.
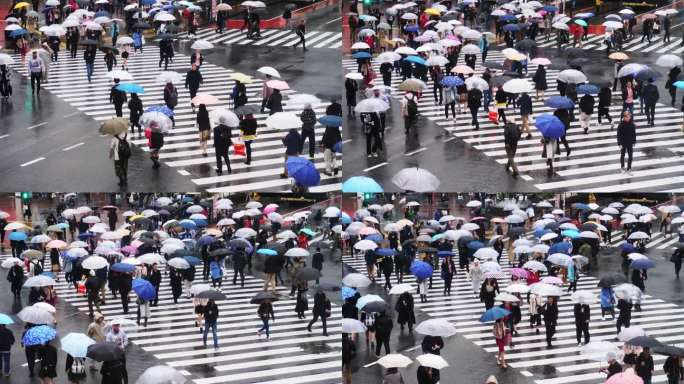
point(629, 172)
point(283, 176)
point(370, 155)
point(622, 170)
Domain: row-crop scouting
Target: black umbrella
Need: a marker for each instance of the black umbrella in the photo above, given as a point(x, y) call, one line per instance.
point(164, 212)
point(211, 294)
point(375, 306)
point(526, 45)
point(588, 227)
point(493, 65)
point(328, 287)
point(264, 296)
point(105, 352)
point(516, 231)
point(221, 252)
point(644, 341)
point(278, 247)
point(308, 273)
point(465, 239)
point(180, 253)
point(247, 109)
point(147, 234)
point(427, 250)
point(142, 25)
point(88, 42)
point(578, 62)
point(647, 74)
point(172, 28)
point(669, 350)
point(406, 242)
point(611, 279)
point(552, 226)
point(239, 242)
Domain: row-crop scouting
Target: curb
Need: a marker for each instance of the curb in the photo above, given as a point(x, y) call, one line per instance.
point(279, 22)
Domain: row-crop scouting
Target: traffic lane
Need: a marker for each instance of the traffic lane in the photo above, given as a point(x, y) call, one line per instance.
point(324, 19)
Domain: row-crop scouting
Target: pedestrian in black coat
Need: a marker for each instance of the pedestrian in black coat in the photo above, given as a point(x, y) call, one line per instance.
point(125, 286)
point(550, 313)
point(308, 117)
point(672, 77)
point(154, 277)
point(349, 310)
point(239, 262)
point(605, 99)
point(626, 138)
point(650, 96)
point(644, 365)
point(275, 102)
point(334, 109)
point(193, 80)
point(383, 330)
point(625, 316)
point(114, 371)
point(118, 98)
point(512, 135)
point(135, 108)
point(222, 143)
point(565, 117)
point(292, 142)
point(6, 342)
point(386, 71)
point(321, 308)
point(16, 278)
point(351, 87)
point(582, 315)
point(405, 313)
point(676, 258)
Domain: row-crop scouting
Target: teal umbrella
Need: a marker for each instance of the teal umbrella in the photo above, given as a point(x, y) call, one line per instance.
point(76, 344)
point(130, 88)
point(5, 320)
point(308, 232)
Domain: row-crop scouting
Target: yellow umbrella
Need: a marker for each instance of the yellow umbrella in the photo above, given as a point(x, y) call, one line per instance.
point(136, 217)
point(21, 5)
point(433, 12)
point(241, 77)
point(516, 57)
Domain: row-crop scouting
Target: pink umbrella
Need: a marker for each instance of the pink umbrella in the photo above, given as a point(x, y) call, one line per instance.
point(552, 280)
point(277, 84)
point(520, 273)
point(367, 231)
point(136, 243)
point(625, 378)
point(270, 208)
point(129, 250)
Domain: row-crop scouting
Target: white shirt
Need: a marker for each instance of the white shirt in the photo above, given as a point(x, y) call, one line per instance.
point(119, 338)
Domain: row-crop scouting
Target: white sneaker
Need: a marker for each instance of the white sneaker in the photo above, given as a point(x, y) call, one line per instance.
point(603, 317)
point(629, 172)
point(622, 170)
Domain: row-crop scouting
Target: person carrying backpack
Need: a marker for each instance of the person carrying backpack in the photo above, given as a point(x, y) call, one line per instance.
point(512, 135)
point(120, 152)
point(75, 369)
point(409, 111)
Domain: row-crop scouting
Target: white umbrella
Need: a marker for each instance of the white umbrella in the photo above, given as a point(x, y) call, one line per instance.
point(416, 179)
point(544, 289)
point(179, 263)
point(39, 281)
point(45, 307)
point(518, 86)
point(365, 245)
point(202, 44)
point(394, 360)
point(36, 315)
point(151, 258)
point(269, 71)
point(352, 326)
point(437, 60)
point(245, 233)
point(371, 105)
point(436, 327)
point(404, 50)
point(598, 350)
point(589, 235)
point(283, 120)
point(398, 289)
point(630, 333)
point(548, 236)
point(360, 45)
point(638, 235)
point(583, 297)
point(477, 82)
point(517, 288)
point(572, 76)
point(11, 262)
point(297, 252)
point(669, 61)
point(409, 16)
point(161, 374)
point(470, 49)
point(94, 262)
point(388, 57)
point(356, 280)
point(164, 16)
point(119, 74)
point(486, 254)
point(506, 297)
point(432, 361)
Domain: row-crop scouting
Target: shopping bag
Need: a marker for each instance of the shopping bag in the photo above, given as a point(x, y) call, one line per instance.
point(493, 116)
point(239, 149)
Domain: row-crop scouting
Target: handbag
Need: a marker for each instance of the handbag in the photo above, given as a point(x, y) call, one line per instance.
point(493, 116)
point(239, 149)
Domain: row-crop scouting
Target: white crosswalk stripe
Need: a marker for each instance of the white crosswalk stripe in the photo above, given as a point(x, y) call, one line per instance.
point(272, 38)
point(595, 43)
point(293, 355)
point(529, 354)
point(67, 80)
point(594, 163)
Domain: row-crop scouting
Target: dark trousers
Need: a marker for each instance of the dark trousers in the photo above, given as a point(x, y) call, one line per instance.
point(124, 301)
point(205, 266)
point(379, 343)
point(242, 276)
point(73, 49)
point(301, 41)
point(604, 112)
point(436, 88)
point(248, 150)
point(118, 107)
point(650, 113)
point(582, 329)
point(550, 331)
point(30, 352)
point(311, 136)
point(373, 142)
point(535, 320)
point(193, 92)
point(323, 320)
point(622, 321)
point(453, 110)
point(473, 113)
point(219, 164)
point(36, 77)
point(165, 60)
point(630, 152)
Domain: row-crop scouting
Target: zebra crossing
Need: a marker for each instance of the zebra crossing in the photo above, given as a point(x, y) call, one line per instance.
point(595, 43)
point(292, 355)
point(594, 163)
point(181, 151)
point(562, 364)
point(271, 38)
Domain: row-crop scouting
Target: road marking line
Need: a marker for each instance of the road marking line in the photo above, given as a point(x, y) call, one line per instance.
point(33, 161)
point(526, 373)
point(37, 125)
point(183, 172)
point(375, 166)
point(526, 177)
point(416, 151)
point(71, 114)
point(333, 20)
point(3, 136)
point(73, 146)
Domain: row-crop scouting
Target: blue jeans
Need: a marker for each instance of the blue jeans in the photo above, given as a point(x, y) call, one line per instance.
point(213, 333)
point(90, 67)
point(5, 362)
point(265, 327)
point(628, 107)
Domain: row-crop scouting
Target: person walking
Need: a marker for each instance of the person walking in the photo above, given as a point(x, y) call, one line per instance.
point(607, 302)
point(586, 106)
point(265, 313)
point(118, 98)
point(673, 369)
point(644, 365)
point(540, 84)
point(308, 117)
point(211, 313)
point(203, 124)
point(239, 262)
point(171, 98)
point(193, 80)
point(550, 313)
point(676, 258)
point(512, 135)
point(625, 315)
point(383, 331)
point(96, 332)
point(351, 87)
point(317, 261)
point(605, 100)
point(92, 286)
point(582, 315)
point(125, 286)
point(502, 336)
point(154, 277)
point(47, 353)
point(5, 84)
point(301, 33)
point(109, 59)
point(16, 278)
point(672, 77)
point(650, 96)
point(135, 108)
point(447, 273)
point(176, 282)
point(332, 136)
point(6, 342)
point(89, 57)
point(143, 311)
point(75, 369)
point(322, 309)
point(222, 144)
point(36, 67)
point(474, 98)
point(409, 111)
point(120, 152)
point(216, 272)
point(626, 138)
point(405, 311)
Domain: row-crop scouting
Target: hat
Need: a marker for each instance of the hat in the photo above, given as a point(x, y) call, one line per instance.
point(98, 315)
point(492, 380)
point(307, 105)
point(610, 356)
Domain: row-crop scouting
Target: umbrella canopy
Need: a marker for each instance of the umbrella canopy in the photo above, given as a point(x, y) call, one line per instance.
point(211, 294)
point(644, 341)
point(144, 289)
point(394, 360)
point(611, 279)
point(436, 327)
point(104, 351)
point(114, 126)
point(630, 333)
point(35, 315)
point(432, 361)
point(76, 344)
point(421, 269)
point(494, 314)
point(416, 180)
point(38, 335)
point(361, 184)
point(550, 125)
point(356, 280)
point(39, 281)
point(162, 374)
point(263, 296)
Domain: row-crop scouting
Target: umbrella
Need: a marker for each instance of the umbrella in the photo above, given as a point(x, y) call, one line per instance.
point(432, 361)
point(436, 327)
point(412, 85)
point(356, 280)
point(630, 333)
point(35, 315)
point(393, 360)
point(162, 374)
point(644, 341)
point(416, 180)
point(398, 289)
point(598, 350)
point(330, 121)
point(211, 294)
point(494, 314)
point(371, 105)
point(277, 84)
point(5, 320)
point(583, 297)
point(518, 86)
point(38, 335)
point(39, 281)
point(123, 268)
point(270, 71)
point(283, 120)
point(361, 184)
point(506, 297)
point(549, 125)
point(76, 344)
point(642, 264)
point(95, 262)
point(544, 289)
point(626, 377)
point(205, 98)
point(362, 55)
point(263, 296)
point(353, 326)
point(421, 269)
point(669, 61)
point(611, 279)
point(303, 171)
point(105, 351)
point(669, 350)
point(590, 89)
point(144, 289)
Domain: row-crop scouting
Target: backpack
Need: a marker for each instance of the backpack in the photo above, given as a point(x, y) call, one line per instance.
point(78, 367)
point(411, 107)
point(124, 149)
point(37, 269)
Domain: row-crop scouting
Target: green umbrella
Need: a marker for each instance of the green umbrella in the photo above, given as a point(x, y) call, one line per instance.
point(308, 232)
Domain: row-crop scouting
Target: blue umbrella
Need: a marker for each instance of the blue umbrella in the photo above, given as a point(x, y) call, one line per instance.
point(421, 269)
point(123, 268)
point(642, 264)
point(347, 292)
point(539, 232)
point(85, 236)
point(437, 237)
point(143, 289)
point(384, 252)
point(362, 55)
point(590, 89)
point(550, 126)
point(474, 245)
point(200, 222)
point(303, 171)
point(345, 218)
point(18, 32)
point(679, 84)
point(267, 252)
point(416, 60)
point(161, 108)
point(187, 199)
point(101, 14)
point(581, 206)
point(559, 102)
point(168, 7)
point(192, 260)
point(361, 184)
point(374, 237)
point(550, 8)
point(338, 147)
point(571, 233)
point(147, 2)
point(130, 88)
point(62, 225)
point(331, 121)
point(508, 17)
point(38, 335)
point(445, 254)
point(206, 240)
point(452, 81)
point(76, 344)
point(560, 247)
point(17, 236)
point(411, 28)
point(628, 247)
point(494, 314)
point(188, 224)
point(5, 320)
point(511, 27)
